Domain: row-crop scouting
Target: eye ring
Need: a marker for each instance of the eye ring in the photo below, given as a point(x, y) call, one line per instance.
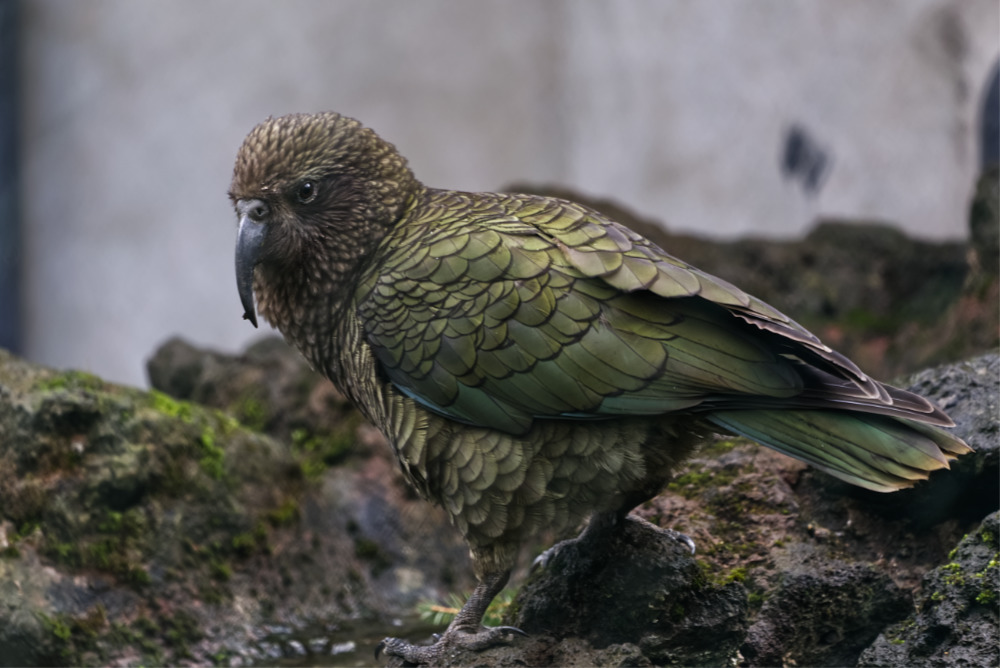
point(306, 192)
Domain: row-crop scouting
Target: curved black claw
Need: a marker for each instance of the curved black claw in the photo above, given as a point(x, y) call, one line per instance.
point(670, 533)
point(681, 537)
point(542, 560)
point(485, 638)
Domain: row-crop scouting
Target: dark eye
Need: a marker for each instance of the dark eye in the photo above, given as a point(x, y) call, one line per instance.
point(306, 192)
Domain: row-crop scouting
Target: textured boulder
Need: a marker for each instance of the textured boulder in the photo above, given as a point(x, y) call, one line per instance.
point(139, 528)
point(644, 588)
point(970, 393)
point(957, 620)
point(824, 617)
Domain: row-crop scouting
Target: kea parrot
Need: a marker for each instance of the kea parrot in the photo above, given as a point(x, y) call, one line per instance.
point(531, 362)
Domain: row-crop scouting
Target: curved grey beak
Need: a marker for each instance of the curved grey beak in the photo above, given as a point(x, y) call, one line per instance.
point(249, 241)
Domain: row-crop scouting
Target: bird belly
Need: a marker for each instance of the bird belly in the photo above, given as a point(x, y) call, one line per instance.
point(500, 489)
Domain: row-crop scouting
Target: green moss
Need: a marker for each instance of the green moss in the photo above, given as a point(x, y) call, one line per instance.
point(707, 576)
point(318, 451)
point(213, 594)
point(953, 575)
point(693, 479)
point(246, 543)
point(129, 524)
point(180, 630)
point(139, 637)
point(213, 457)
point(57, 626)
point(146, 626)
point(167, 405)
point(101, 555)
point(138, 576)
point(986, 597)
point(897, 635)
point(252, 412)
point(71, 380)
point(66, 553)
point(112, 523)
point(73, 639)
point(112, 542)
point(312, 469)
point(220, 570)
point(720, 446)
point(694, 483)
point(285, 514)
point(223, 657)
point(704, 576)
point(28, 528)
point(988, 580)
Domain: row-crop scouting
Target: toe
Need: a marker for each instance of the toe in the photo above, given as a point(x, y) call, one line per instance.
point(408, 652)
point(477, 641)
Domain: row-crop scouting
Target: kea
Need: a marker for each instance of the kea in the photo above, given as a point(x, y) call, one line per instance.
point(531, 362)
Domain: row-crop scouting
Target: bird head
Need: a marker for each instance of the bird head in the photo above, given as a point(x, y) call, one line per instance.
point(314, 193)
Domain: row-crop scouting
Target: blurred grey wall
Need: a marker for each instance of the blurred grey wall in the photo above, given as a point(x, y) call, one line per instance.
point(718, 118)
point(10, 219)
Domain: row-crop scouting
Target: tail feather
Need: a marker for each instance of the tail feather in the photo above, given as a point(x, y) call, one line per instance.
point(823, 390)
point(874, 451)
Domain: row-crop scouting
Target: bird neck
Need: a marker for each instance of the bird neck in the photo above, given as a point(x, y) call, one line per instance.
point(316, 293)
point(300, 300)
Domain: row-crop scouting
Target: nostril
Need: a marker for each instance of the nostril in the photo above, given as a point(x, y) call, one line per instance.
point(254, 209)
point(258, 211)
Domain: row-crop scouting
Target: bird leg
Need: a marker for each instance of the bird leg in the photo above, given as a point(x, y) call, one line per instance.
point(465, 631)
point(597, 535)
point(600, 527)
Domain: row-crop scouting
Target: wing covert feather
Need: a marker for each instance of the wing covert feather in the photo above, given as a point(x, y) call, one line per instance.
point(497, 310)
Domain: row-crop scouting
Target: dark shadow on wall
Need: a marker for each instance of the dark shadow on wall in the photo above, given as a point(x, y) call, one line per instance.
point(990, 122)
point(10, 234)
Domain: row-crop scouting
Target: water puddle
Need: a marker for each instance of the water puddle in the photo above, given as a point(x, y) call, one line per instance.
point(346, 644)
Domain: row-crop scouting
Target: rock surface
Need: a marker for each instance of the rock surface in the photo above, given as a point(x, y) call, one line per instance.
point(139, 528)
point(642, 587)
point(824, 617)
point(957, 611)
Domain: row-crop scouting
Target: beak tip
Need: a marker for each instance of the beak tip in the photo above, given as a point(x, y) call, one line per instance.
point(249, 240)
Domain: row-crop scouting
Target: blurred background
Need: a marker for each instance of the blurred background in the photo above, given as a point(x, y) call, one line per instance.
point(120, 120)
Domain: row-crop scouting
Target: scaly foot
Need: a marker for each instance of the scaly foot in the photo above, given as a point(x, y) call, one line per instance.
point(597, 533)
point(452, 639)
point(465, 632)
